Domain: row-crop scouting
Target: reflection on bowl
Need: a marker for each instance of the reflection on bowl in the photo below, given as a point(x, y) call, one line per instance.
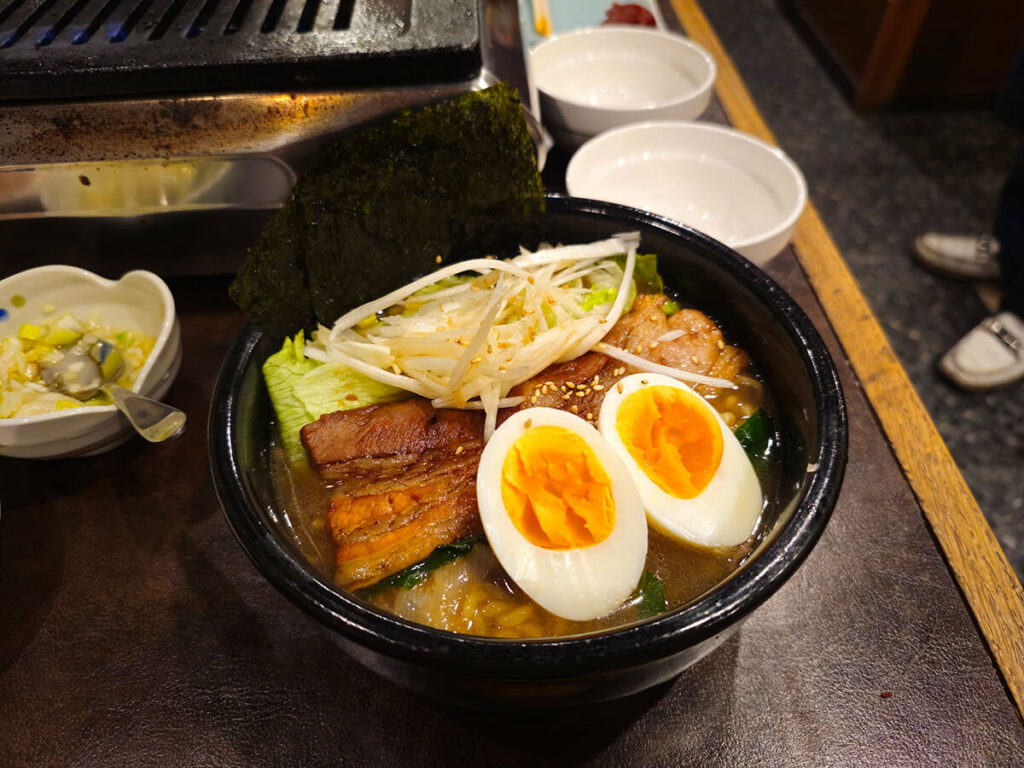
point(139, 301)
point(592, 80)
point(725, 183)
point(472, 670)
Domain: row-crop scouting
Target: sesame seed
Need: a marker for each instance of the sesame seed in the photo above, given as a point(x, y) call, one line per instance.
point(580, 393)
point(530, 280)
point(694, 360)
point(533, 399)
point(587, 391)
point(644, 382)
point(598, 387)
point(437, 259)
point(653, 345)
point(459, 449)
point(570, 384)
point(575, 408)
point(602, 321)
point(720, 344)
point(528, 423)
point(566, 397)
point(619, 387)
point(549, 384)
point(590, 416)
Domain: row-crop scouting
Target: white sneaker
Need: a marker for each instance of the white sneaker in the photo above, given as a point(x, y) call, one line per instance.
point(971, 257)
point(991, 355)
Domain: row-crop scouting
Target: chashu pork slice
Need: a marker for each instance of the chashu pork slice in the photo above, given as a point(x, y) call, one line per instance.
point(393, 445)
point(405, 483)
point(695, 344)
point(380, 534)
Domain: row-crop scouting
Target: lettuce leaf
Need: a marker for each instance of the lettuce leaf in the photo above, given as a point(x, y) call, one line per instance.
point(281, 371)
point(302, 390)
point(336, 387)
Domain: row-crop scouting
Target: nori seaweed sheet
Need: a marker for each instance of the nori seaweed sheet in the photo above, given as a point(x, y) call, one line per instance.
point(457, 177)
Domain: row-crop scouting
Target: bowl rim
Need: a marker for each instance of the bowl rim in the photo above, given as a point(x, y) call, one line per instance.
point(684, 127)
point(626, 31)
point(160, 342)
point(557, 658)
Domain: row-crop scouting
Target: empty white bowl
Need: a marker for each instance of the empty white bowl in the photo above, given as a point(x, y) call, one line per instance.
point(138, 301)
point(591, 80)
point(727, 184)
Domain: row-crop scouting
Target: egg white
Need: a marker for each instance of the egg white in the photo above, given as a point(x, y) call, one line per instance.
point(578, 584)
point(725, 513)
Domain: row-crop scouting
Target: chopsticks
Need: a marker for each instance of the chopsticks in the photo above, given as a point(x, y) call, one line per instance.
point(542, 17)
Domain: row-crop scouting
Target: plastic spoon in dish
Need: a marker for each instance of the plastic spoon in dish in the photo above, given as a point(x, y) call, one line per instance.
point(84, 371)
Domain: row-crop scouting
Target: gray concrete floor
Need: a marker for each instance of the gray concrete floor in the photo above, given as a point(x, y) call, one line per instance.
point(879, 180)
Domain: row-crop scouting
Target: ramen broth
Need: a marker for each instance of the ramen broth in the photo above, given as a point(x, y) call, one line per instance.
point(473, 595)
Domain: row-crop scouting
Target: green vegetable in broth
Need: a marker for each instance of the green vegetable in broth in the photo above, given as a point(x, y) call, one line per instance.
point(652, 596)
point(415, 574)
point(755, 435)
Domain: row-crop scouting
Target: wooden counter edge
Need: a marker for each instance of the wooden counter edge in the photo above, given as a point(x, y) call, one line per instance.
point(992, 589)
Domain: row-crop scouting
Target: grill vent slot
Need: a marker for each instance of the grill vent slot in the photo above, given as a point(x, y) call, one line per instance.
point(308, 17)
point(49, 35)
point(273, 16)
point(343, 18)
point(118, 33)
point(167, 19)
point(237, 17)
point(89, 48)
point(14, 36)
point(202, 18)
point(84, 35)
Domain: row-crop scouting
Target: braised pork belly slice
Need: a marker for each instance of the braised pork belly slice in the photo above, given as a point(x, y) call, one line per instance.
point(694, 343)
point(392, 446)
point(380, 534)
point(405, 483)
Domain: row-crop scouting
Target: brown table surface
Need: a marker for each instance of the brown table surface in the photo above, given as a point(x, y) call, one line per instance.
point(134, 631)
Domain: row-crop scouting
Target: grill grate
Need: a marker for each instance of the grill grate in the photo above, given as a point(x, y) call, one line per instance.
point(89, 48)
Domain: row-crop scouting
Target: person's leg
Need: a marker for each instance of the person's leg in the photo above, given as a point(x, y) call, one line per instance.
point(1009, 231)
point(992, 354)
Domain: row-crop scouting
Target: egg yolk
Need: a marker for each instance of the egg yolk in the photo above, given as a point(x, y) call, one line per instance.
point(674, 437)
point(555, 490)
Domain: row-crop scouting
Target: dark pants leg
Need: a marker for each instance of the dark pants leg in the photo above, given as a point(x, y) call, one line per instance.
point(1009, 230)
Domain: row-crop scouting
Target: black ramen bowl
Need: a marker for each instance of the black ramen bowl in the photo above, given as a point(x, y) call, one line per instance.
point(810, 417)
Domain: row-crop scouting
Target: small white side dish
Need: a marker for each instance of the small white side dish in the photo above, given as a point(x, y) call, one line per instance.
point(139, 300)
point(591, 80)
point(727, 184)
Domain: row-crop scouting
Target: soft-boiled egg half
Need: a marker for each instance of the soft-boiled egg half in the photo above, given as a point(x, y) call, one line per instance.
point(693, 475)
point(562, 513)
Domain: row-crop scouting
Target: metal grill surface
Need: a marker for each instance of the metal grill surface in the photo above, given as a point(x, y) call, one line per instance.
point(94, 48)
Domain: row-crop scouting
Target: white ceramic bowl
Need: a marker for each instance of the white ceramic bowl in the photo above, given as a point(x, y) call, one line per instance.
point(591, 80)
point(139, 300)
point(727, 184)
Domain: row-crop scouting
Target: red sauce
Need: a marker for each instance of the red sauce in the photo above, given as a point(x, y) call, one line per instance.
point(629, 13)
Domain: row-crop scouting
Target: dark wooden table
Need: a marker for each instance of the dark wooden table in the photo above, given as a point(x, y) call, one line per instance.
point(134, 631)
